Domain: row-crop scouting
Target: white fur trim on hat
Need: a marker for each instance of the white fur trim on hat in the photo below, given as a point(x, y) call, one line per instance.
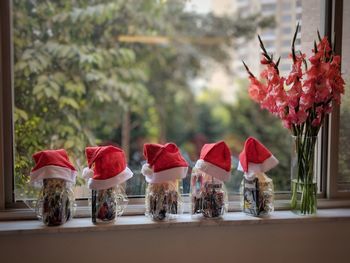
point(147, 170)
point(163, 176)
point(51, 172)
point(88, 173)
point(250, 176)
point(113, 181)
point(212, 170)
point(263, 167)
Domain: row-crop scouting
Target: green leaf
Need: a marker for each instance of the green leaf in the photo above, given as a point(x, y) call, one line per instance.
point(68, 101)
point(68, 144)
point(38, 88)
point(20, 114)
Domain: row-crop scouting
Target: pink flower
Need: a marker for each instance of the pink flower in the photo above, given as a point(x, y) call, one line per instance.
point(324, 47)
point(306, 101)
point(263, 61)
point(287, 124)
point(309, 95)
point(328, 108)
point(302, 116)
point(315, 59)
point(257, 90)
point(316, 122)
point(296, 73)
point(294, 94)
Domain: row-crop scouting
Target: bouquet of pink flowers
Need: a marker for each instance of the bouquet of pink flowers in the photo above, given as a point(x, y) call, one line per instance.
point(301, 100)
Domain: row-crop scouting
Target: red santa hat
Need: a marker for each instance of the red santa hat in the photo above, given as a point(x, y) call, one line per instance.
point(107, 167)
point(164, 163)
point(52, 164)
point(255, 158)
point(215, 160)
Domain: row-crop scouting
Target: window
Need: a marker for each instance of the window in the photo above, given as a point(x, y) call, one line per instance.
point(268, 34)
point(286, 30)
point(286, 43)
point(298, 16)
point(299, 3)
point(127, 72)
point(285, 67)
point(284, 55)
point(344, 137)
point(286, 5)
point(286, 18)
point(269, 44)
point(268, 8)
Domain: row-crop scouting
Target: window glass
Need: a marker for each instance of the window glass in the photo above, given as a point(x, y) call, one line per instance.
point(271, 7)
point(121, 72)
point(286, 5)
point(344, 138)
point(286, 42)
point(285, 55)
point(286, 18)
point(298, 16)
point(286, 30)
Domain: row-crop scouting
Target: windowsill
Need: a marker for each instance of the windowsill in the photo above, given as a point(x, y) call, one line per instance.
point(136, 207)
point(185, 220)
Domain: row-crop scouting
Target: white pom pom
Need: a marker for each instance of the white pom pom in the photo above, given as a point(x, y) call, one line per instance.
point(88, 173)
point(250, 176)
point(147, 170)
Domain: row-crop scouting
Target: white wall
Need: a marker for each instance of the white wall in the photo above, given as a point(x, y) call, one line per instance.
point(286, 242)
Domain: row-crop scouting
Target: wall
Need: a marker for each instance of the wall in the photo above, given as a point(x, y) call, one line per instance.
point(277, 242)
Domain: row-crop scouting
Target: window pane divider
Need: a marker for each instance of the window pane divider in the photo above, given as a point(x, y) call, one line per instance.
point(6, 100)
point(333, 143)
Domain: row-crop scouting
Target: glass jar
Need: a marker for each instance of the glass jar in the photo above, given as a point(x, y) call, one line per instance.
point(208, 195)
point(107, 204)
point(55, 203)
point(163, 200)
point(257, 195)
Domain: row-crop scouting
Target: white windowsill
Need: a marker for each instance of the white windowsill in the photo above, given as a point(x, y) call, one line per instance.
point(185, 220)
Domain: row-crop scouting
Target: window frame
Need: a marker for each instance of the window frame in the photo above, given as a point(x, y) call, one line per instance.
point(332, 11)
point(335, 25)
point(6, 96)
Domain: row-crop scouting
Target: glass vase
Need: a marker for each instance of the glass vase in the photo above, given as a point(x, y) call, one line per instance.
point(303, 176)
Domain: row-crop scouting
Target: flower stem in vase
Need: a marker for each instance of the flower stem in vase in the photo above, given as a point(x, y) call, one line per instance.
point(304, 187)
